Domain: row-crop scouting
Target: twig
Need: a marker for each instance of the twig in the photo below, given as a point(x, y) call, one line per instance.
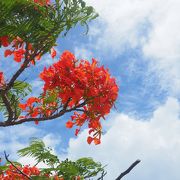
point(128, 170)
point(6, 157)
point(102, 175)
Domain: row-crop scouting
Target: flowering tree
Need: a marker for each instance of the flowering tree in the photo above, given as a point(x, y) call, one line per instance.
point(30, 29)
point(83, 168)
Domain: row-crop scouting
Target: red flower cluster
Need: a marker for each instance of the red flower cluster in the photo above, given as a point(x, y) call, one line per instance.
point(42, 2)
point(80, 85)
point(1, 79)
point(37, 107)
point(12, 173)
point(4, 41)
point(29, 107)
point(18, 50)
point(79, 82)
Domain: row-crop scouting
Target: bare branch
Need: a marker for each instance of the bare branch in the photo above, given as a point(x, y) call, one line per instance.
point(102, 175)
point(128, 170)
point(6, 157)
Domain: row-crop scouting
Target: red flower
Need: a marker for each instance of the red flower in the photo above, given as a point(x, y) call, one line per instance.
point(97, 141)
point(69, 124)
point(4, 41)
point(23, 106)
point(42, 2)
point(31, 100)
point(89, 140)
point(77, 131)
point(34, 170)
point(19, 54)
point(7, 52)
point(38, 57)
point(35, 112)
point(1, 79)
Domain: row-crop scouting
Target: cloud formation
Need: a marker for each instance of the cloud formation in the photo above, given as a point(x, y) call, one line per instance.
point(14, 138)
point(153, 26)
point(156, 142)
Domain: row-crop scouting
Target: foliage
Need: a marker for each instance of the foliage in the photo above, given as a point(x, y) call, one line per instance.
point(30, 29)
point(38, 150)
point(83, 168)
point(19, 91)
point(39, 22)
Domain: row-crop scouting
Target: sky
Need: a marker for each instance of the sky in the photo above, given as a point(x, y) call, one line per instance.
point(139, 42)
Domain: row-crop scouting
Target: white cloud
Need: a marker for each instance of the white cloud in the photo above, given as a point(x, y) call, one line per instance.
point(82, 53)
point(152, 25)
point(163, 45)
point(122, 22)
point(14, 138)
point(156, 142)
point(51, 140)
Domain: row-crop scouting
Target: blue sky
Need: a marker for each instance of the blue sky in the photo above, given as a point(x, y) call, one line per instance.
point(139, 42)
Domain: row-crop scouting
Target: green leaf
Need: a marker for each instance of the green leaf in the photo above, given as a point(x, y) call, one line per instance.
point(42, 25)
point(86, 168)
point(21, 89)
point(37, 150)
point(3, 168)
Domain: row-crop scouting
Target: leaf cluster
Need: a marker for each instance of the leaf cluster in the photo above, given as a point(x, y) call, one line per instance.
point(40, 153)
point(41, 25)
point(19, 90)
point(83, 167)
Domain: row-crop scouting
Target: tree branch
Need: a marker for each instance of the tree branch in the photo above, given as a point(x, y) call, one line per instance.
point(128, 170)
point(57, 115)
point(7, 104)
point(102, 175)
point(6, 157)
point(21, 69)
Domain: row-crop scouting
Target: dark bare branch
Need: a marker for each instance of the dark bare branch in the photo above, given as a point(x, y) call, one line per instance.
point(20, 172)
point(102, 175)
point(128, 170)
